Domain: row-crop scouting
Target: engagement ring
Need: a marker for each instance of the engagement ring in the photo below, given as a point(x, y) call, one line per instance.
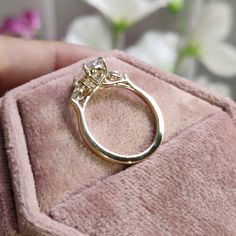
point(95, 76)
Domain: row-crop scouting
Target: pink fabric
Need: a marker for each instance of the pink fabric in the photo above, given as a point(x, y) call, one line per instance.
point(177, 193)
point(60, 188)
point(8, 221)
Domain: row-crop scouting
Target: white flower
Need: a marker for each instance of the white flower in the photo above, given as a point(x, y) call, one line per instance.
point(90, 31)
point(217, 87)
point(158, 49)
point(213, 26)
point(188, 68)
point(127, 11)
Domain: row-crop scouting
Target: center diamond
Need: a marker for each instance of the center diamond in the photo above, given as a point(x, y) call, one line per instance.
point(96, 69)
point(89, 78)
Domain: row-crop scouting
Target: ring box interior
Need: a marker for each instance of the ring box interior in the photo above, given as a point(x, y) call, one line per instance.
point(51, 184)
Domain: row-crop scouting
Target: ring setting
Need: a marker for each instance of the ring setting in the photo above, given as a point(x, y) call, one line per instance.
point(95, 76)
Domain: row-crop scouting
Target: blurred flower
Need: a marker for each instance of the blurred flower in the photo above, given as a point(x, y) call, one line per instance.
point(122, 14)
point(127, 12)
point(156, 48)
point(217, 87)
point(207, 40)
point(85, 30)
point(24, 26)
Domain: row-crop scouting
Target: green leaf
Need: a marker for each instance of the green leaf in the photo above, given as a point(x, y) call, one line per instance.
point(191, 50)
point(120, 26)
point(175, 6)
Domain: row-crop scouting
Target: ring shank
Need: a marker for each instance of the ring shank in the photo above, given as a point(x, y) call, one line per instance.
point(115, 157)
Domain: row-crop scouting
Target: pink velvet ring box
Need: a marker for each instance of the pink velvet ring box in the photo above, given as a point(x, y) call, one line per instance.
point(51, 184)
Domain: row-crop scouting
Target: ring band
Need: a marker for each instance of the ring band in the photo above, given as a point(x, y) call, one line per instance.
point(95, 76)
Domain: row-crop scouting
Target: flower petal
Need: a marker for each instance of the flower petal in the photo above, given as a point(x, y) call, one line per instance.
point(128, 11)
point(33, 19)
point(214, 22)
point(218, 87)
point(187, 68)
point(90, 31)
point(219, 58)
point(158, 49)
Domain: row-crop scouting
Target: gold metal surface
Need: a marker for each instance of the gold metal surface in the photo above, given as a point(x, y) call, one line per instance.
point(95, 76)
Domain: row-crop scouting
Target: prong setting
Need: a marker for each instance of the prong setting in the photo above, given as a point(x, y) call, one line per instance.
point(94, 76)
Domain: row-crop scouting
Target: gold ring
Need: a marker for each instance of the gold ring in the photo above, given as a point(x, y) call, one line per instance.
point(95, 76)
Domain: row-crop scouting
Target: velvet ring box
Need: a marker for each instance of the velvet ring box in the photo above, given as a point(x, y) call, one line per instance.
point(51, 184)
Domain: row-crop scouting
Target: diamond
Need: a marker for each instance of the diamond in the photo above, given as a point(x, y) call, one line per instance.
point(96, 64)
point(89, 78)
point(78, 78)
point(87, 82)
point(83, 79)
point(96, 69)
point(81, 91)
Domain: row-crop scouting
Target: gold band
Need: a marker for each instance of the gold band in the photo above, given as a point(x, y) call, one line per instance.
point(94, 77)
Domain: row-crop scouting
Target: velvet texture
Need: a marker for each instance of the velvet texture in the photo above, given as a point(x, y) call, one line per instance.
point(51, 184)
